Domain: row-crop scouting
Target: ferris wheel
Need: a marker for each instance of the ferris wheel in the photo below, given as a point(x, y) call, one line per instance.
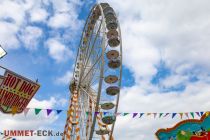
point(95, 87)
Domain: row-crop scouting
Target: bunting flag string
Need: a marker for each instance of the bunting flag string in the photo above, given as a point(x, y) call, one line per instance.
point(173, 115)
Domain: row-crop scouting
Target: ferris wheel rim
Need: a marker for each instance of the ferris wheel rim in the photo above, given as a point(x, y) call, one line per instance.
point(102, 68)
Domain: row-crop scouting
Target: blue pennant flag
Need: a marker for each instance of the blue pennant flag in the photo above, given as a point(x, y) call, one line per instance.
point(58, 111)
point(141, 114)
point(173, 115)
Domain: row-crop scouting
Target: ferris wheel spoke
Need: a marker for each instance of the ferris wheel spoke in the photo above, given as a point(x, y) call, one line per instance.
point(91, 68)
point(96, 78)
point(91, 96)
point(92, 46)
point(89, 41)
point(88, 46)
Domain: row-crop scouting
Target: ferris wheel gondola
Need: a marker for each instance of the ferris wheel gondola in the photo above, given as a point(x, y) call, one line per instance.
point(96, 83)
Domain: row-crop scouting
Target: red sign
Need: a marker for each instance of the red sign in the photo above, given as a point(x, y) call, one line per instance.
point(16, 91)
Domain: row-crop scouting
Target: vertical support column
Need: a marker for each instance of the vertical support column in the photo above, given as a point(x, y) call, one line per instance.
point(72, 119)
point(89, 118)
point(100, 123)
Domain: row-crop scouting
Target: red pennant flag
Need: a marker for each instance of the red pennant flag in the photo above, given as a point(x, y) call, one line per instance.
point(186, 114)
point(118, 114)
point(26, 111)
point(155, 114)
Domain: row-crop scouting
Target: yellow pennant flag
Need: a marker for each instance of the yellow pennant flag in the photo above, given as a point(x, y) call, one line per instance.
point(181, 114)
point(148, 114)
point(207, 113)
point(14, 110)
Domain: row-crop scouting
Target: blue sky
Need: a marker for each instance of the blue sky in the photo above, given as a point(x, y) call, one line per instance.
point(166, 56)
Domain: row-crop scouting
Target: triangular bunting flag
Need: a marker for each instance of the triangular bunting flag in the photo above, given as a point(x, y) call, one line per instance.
point(105, 113)
point(192, 114)
point(14, 110)
point(141, 114)
point(96, 113)
point(198, 114)
point(186, 114)
point(148, 114)
point(118, 114)
point(58, 111)
point(69, 112)
point(201, 113)
point(124, 114)
point(160, 115)
point(155, 114)
point(181, 115)
point(173, 115)
point(87, 113)
point(49, 111)
point(207, 113)
point(37, 110)
point(26, 111)
point(166, 114)
point(134, 115)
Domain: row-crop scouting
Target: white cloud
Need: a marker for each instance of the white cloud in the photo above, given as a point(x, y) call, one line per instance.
point(10, 22)
point(30, 37)
point(66, 15)
point(16, 14)
point(65, 5)
point(65, 79)
point(8, 37)
point(173, 80)
point(174, 28)
point(176, 33)
point(57, 50)
point(16, 18)
point(60, 20)
point(135, 99)
point(38, 15)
